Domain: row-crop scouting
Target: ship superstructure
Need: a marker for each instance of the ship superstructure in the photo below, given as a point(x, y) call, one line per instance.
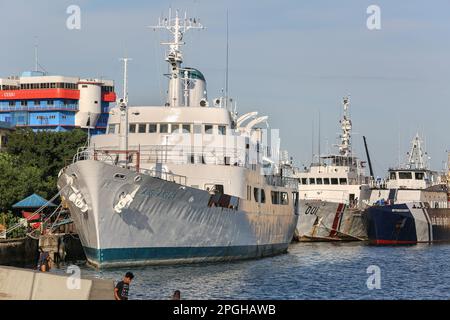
point(189, 181)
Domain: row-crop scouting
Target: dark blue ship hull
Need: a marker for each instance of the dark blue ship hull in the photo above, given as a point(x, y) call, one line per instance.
point(406, 224)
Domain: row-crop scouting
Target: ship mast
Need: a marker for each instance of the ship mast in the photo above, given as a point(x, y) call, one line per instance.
point(123, 106)
point(345, 148)
point(417, 157)
point(177, 27)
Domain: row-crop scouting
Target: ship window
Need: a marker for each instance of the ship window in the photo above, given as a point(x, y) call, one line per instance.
point(405, 175)
point(222, 130)
point(256, 194)
point(52, 85)
point(163, 128)
point(132, 128)
point(419, 175)
point(84, 86)
point(312, 181)
point(249, 193)
point(175, 128)
point(208, 129)
point(12, 103)
point(334, 181)
point(392, 176)
point(191, 158)
point(326, 180)
point(342, 180)
point(197, 128)
point(141, 128)
point(304, 181)
point(152, 128)
point(186, 128)
point(260, 195)
point(275, 197)
point(37, 102)
point(319, 180)
point(284, 198)
point(49, 102)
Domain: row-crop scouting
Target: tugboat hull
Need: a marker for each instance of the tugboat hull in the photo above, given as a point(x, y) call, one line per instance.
point(407, 224)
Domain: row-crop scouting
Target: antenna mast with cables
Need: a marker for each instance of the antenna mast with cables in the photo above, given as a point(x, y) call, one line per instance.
point(177, 27)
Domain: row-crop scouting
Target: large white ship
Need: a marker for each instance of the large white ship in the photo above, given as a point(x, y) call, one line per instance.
point(185, 182)
point(332, 192)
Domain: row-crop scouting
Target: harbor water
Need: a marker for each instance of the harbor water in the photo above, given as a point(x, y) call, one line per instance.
point(308, 271)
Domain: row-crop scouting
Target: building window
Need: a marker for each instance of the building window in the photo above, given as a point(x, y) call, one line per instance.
point(152, 128)
point(163, 128)
point(186, 128)
point(141, 128)
point(208, 129)
point(132, 128)
point(222, 130)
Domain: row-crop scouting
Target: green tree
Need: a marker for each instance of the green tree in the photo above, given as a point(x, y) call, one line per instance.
point(17, 181)
point(33, 160)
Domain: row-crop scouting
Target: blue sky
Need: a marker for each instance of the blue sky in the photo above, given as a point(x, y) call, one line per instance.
point(288, 59)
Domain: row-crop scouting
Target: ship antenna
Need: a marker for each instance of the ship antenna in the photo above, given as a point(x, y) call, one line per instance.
point(123, 105)
point(346, 125)
point(177, 27)
point(319, 140)
point(226, 72)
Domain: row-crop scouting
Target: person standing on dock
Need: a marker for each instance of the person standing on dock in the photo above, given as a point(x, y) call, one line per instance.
point(122, 288)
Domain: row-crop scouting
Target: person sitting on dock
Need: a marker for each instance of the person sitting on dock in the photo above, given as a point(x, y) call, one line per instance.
point(44, 261)
point(122, 288)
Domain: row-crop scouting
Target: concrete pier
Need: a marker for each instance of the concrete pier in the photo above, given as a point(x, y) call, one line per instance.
point(24, 284)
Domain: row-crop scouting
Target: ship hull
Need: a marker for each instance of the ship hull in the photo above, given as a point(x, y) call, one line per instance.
point(329, 221)
point(403, 224)
point(164, 223)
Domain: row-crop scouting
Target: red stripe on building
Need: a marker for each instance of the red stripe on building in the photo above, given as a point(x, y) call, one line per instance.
point(109, 96)
point(39, 94)
point(337, 217)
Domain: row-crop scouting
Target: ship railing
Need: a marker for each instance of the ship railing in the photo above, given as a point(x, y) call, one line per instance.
point(164, 175)
point(280, 181)
point(113, 157)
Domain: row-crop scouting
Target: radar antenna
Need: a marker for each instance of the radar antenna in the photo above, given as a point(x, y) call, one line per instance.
point(177, 27)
